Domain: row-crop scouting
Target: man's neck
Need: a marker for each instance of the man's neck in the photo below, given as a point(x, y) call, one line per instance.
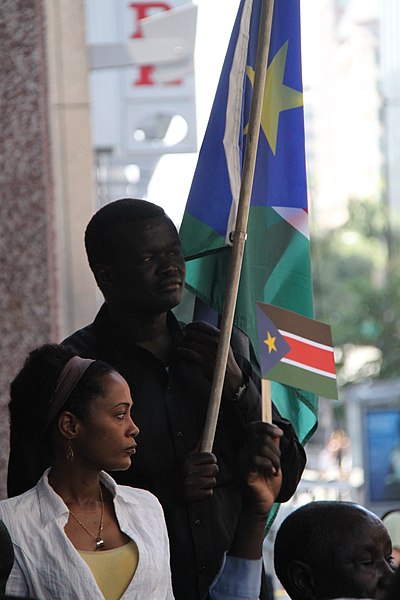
point(148, 331)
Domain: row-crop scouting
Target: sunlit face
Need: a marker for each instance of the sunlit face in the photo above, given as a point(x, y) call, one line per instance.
point(107, 439)
point(363, 566)
point(148, 271)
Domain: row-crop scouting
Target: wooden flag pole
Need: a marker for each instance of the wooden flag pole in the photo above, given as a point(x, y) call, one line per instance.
point(240, 234)
point(266, 401)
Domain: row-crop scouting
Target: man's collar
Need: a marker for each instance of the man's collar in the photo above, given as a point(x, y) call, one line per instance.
point(104, 324)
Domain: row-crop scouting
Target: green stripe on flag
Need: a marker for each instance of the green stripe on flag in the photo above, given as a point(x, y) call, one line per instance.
point(303, 379)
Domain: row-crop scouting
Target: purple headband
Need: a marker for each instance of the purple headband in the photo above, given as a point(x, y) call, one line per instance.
point(70, 376)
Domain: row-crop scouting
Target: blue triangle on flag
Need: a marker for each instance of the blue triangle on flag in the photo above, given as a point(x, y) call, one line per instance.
point(272, 346)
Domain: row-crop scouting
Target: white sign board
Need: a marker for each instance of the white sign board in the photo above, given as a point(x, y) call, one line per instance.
point(148, 108)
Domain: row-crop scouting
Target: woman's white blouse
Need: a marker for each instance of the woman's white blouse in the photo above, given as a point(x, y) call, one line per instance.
point(48, 567)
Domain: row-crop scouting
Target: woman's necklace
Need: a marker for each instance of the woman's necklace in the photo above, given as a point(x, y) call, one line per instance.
point(99, 539)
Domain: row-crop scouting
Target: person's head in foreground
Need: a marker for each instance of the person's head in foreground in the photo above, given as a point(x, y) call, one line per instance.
point(325, 550)
point(75, 412)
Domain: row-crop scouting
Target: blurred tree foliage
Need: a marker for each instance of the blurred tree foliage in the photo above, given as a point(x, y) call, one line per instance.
point(357, 289)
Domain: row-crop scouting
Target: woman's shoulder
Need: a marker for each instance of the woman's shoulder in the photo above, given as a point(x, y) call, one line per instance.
point(135, 505)
point(29, 504)
point(27, 496)
point(142, 514)
point(16, 507)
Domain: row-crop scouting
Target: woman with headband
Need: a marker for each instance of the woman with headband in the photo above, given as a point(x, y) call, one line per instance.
point(76, 533)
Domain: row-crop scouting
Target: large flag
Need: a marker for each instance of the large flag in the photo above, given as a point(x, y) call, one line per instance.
point(276, 264)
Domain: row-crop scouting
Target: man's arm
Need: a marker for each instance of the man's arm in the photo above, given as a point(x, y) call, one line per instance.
point(240, 574)
point(239, 578)
point(242, 391)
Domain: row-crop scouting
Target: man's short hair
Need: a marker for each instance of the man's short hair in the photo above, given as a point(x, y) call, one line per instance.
point(102, 231)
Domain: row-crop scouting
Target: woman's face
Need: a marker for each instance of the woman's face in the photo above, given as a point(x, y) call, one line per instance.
point(107, 439)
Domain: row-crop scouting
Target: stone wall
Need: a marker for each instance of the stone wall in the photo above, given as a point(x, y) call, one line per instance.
point(46, 184)
point(27, 279)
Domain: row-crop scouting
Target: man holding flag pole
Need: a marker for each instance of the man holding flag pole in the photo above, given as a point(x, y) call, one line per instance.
point(134, 252)
point(242, 177)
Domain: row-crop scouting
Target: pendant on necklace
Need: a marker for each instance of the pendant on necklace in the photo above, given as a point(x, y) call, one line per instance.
point(99, 543)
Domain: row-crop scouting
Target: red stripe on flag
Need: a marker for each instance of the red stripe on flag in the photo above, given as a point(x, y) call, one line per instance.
point(311, 356)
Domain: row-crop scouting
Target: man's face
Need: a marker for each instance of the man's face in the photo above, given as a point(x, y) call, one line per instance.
point(363, 566)
point(148, 270)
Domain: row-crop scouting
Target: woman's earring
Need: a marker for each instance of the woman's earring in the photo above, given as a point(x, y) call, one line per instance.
point(70, 452)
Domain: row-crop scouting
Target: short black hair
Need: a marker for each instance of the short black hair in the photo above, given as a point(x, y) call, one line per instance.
point(102, 230)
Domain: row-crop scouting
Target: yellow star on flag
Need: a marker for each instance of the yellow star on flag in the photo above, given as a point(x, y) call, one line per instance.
point(277, 96)
point(270, 342)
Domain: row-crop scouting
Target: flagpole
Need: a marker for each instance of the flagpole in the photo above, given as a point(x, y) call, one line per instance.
point(266, 401)
point(240, 234)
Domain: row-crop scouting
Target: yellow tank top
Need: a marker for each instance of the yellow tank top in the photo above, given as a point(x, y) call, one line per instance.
point(113, 569)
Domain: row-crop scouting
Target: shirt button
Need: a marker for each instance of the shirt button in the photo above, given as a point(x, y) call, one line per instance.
point(169, 389)
point(202, 569)
point(197, 522)
point(180, 434)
